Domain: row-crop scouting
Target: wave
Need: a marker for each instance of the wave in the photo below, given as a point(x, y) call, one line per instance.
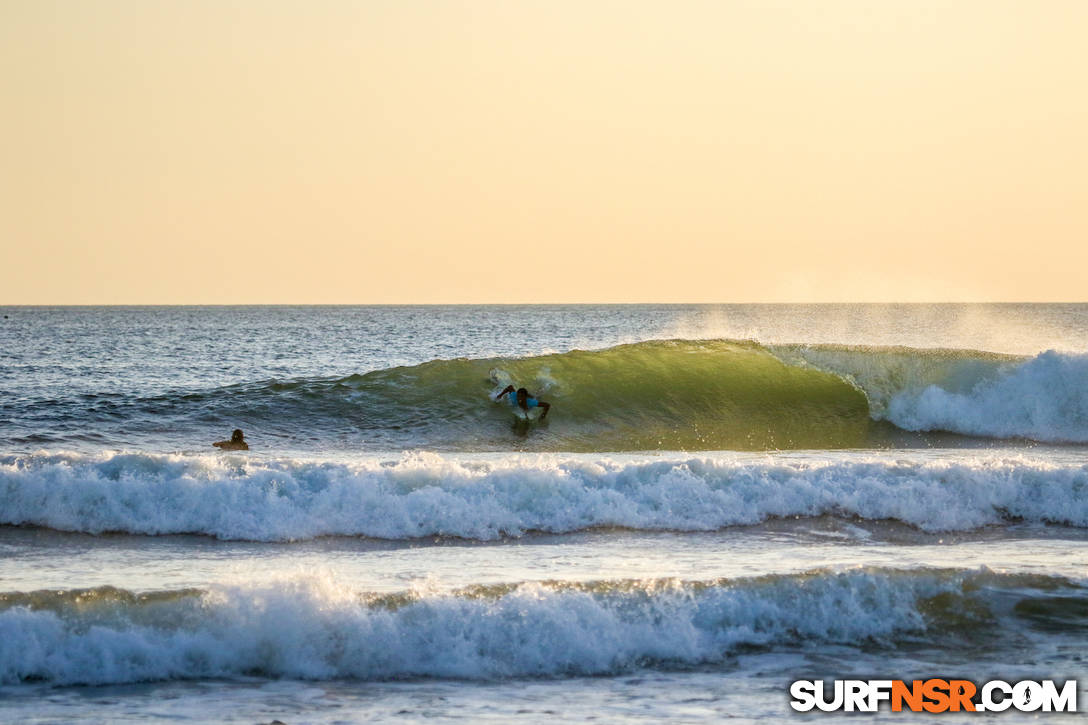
point(1042, 398)
point(316, 628)
point(658, 395)
point(661, 395)
point(426, 494)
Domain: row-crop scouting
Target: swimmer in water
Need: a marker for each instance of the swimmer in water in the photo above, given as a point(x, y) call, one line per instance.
point(236, 443)
point(523, 400)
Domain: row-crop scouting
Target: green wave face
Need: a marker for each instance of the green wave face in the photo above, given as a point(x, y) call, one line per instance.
point(675, 395)
point(662, 395)
point(699, 395)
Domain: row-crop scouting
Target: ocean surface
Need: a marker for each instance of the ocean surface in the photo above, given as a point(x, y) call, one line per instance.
point(722, 499)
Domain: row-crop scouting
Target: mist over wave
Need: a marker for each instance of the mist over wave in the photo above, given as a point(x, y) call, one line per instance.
point(425, 494)
point(659, 395)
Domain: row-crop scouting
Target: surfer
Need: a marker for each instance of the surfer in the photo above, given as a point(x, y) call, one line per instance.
point(237, 442)
point(523, 400)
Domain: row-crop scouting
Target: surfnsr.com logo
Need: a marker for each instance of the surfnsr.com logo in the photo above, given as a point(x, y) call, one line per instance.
point(934, 695)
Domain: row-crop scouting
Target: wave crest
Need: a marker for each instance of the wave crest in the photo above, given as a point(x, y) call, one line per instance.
point(425, 494)
point(318, 629)
point(658, 395)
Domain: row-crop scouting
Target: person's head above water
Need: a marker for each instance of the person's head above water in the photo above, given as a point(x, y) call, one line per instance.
point(237, 442)
point(523, 398)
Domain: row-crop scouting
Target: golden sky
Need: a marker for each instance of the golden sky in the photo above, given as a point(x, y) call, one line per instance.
point(327, 151)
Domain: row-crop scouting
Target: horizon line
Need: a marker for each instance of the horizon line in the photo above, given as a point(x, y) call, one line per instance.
point(522, 304)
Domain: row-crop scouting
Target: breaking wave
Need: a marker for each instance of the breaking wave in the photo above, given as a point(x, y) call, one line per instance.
point(317, 628)
point(426, 494)
point(658, 395)
point(1042, 398)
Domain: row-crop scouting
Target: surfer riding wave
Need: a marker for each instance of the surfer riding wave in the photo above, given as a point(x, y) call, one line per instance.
point(523, 400)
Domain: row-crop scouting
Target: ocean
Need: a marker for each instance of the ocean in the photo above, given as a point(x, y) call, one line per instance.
point(723, 499)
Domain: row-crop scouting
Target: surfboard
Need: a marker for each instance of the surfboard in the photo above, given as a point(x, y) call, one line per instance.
point(500, 379)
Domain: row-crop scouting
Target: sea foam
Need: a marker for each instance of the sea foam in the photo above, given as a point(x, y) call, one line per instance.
point(1044, 399)
point(316, 628)
point(426, 494)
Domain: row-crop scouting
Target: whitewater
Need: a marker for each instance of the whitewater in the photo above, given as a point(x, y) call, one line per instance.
point(424, 495)
point(723, 499)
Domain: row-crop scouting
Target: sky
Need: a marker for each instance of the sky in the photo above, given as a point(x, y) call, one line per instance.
point(402, 151)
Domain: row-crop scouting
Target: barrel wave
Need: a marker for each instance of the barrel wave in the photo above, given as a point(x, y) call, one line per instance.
point(657, 395)
point(674, 395)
